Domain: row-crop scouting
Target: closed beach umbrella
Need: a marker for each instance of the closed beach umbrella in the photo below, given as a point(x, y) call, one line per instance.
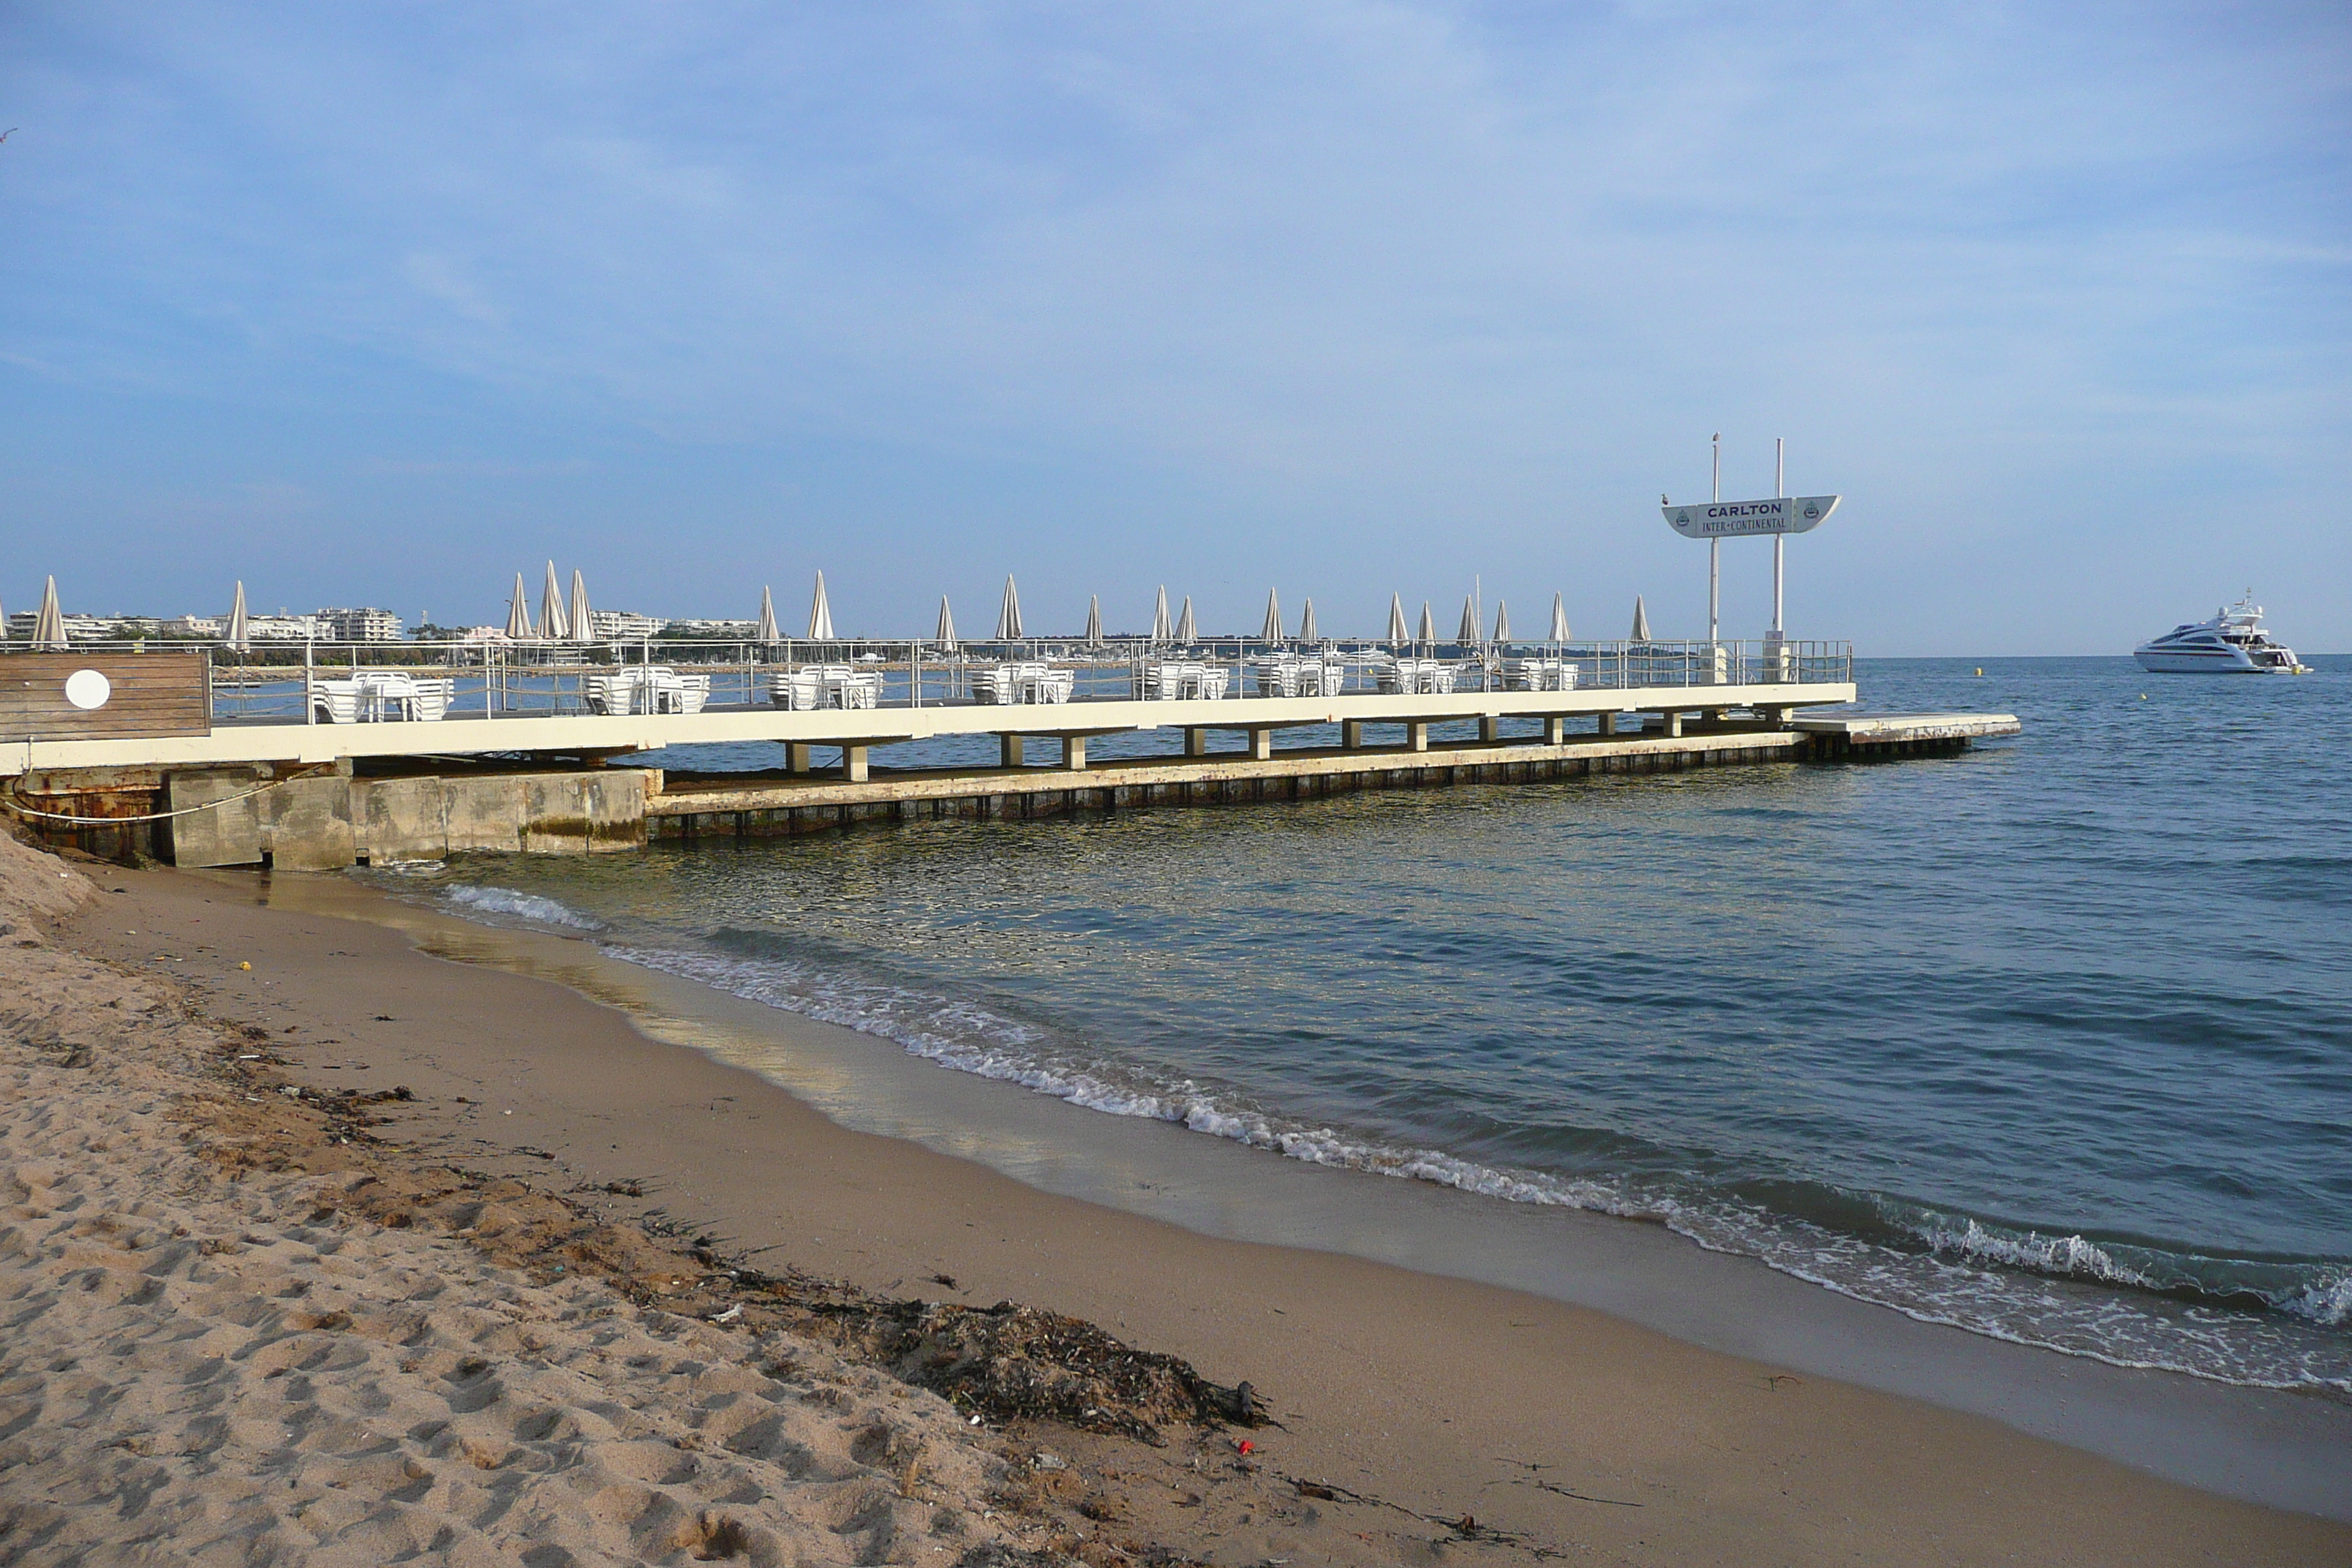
point(518, 616)
point(1641, 620)
point(947, 637)
point(1428, 624)
point(49, 623)
point(1159, 631)
point(1272, 630)
point(554, 625)
point(1185, 631)
point(769, 631)
point(1558, 620)
point(1397, 635)
point(1502, 621)
point(583, 625)
point(820, 615)
point(1306, 623)
point(1094, 620)
point(4, 622)
point(238, 636)
point(1468, 630)
point(1008, 613)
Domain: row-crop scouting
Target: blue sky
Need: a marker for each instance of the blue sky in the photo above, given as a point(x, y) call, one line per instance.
point(383, 303)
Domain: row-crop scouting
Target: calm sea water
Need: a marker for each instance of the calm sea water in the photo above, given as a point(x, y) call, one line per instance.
point(2051, 1040)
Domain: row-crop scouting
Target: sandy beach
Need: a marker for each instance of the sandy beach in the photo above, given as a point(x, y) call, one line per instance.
point(361, 1254)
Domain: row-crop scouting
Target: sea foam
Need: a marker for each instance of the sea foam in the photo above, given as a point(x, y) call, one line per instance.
point(529, 907)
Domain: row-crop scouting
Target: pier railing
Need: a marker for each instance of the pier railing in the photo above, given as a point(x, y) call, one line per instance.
point(282, 683)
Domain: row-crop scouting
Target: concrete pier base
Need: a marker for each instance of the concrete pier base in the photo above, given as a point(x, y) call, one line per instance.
point(325, 821)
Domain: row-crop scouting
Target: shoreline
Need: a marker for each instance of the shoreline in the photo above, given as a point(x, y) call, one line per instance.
point(2279, 1447)
point(1390, 1382)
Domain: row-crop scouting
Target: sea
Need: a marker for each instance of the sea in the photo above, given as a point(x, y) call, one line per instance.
point(2050, 1041)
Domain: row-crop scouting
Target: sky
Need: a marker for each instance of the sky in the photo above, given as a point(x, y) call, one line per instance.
point(383, 303)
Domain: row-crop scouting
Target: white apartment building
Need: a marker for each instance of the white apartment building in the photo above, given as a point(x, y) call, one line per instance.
point(284, 628)
point(368, 624)
point(623, 625)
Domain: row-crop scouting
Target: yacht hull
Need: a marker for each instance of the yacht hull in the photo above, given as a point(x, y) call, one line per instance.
point(2217, 662)
point(2200, 664)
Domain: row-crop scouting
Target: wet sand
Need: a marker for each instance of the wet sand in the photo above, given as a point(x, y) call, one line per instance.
point(1429, 1399)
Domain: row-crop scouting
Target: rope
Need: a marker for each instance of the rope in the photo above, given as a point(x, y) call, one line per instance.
point(10, 801)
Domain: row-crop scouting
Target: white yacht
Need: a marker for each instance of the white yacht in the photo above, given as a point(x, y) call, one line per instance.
point(2231, 643)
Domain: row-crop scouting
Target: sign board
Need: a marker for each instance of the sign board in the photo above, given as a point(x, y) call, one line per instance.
point(93, 696)
point(1740, 518)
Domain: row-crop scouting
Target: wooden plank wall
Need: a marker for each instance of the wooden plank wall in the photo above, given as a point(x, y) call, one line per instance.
point(158, 693)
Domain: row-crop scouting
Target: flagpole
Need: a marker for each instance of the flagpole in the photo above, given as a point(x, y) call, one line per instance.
point(1715, 554)
point(1779, 540)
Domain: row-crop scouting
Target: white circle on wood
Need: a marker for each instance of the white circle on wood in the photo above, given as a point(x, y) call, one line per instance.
point(88, 688)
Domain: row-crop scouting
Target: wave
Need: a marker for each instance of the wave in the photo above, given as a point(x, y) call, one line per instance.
point(2154, 1312)
point(522, 906)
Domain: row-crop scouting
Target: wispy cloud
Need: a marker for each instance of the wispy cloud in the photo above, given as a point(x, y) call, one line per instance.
point(1384, 287)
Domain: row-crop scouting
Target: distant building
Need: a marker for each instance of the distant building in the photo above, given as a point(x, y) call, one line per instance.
point(715, 629)
point(189, 627)
point(284, 628)
point(79, 629)
point(622, 625)
point(358, 625)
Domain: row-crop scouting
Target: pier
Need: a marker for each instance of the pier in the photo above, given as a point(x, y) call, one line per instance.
point(196, 759)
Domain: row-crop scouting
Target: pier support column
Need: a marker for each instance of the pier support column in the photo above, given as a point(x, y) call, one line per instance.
point(796, 757)
point(853, 762)
point(1416, 735)
point(1608, 724)
point(1777, 717)
point(1351, 735)
point(1196, 742)
point(1261, 745)
point(1673, 719)
point(1073, 752)
point(1008, 751)
point(1555, 730)
point(1490, 729)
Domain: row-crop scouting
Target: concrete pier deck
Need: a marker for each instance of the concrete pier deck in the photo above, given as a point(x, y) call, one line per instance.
point(234, 744)
point(1902, 734)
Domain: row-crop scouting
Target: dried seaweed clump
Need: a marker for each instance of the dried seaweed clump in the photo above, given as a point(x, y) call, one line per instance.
point(1009, 1362)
